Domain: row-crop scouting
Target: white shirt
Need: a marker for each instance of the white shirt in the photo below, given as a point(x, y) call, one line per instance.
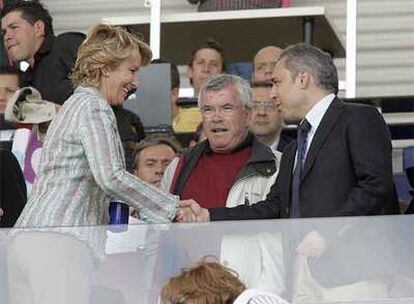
point(275, 144)
point(314, 117)
point(256, 296)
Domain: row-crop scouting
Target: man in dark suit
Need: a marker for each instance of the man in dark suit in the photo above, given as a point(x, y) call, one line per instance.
point(341, 162)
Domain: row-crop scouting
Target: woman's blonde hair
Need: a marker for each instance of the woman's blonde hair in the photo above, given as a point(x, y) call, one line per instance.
point(105, 47)
point(204, 283)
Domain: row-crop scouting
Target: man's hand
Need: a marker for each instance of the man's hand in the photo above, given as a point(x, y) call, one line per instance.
point(313, 245)
point(191, 211)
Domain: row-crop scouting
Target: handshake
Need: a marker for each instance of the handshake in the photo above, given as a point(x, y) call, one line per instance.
point(189, 211)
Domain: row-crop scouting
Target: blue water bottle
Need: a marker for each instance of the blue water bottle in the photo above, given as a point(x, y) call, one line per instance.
point(118, 215)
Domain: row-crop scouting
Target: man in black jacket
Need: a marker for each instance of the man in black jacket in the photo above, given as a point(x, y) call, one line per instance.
point(341, 163)
point(28, 36)
point(12, 189)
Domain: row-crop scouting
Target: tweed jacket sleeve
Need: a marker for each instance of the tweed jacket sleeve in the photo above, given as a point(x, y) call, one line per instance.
point(103, 149)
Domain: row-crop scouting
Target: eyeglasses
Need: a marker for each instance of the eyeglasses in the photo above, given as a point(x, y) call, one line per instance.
point(225, 110)
point(266, 105)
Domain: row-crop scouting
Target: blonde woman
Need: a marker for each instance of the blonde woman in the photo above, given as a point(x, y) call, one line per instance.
point(81, 169)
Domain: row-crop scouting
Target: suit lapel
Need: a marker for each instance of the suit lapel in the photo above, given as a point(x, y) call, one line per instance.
point(327, 123)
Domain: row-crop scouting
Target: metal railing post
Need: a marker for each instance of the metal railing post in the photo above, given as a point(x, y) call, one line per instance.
point(351, 60)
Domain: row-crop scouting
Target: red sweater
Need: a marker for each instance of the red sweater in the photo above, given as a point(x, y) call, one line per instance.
point(212, 178)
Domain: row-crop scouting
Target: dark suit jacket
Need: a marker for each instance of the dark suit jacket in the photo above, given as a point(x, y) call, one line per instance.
point(12, 188)
point(53, 63)
point(284, 140)
point(347, 170)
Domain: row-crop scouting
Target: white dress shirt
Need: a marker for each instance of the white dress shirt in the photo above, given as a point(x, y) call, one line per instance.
point(256, 296)
point(315, 116)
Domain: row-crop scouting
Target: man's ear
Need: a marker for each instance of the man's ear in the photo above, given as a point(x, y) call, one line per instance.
point(39, 28)
point(174, 94)
point(303, 80)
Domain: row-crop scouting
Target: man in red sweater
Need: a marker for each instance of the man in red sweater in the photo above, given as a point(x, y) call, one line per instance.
point(231, 166)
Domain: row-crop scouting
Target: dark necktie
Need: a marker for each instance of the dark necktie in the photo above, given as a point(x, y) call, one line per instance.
point(303, 130)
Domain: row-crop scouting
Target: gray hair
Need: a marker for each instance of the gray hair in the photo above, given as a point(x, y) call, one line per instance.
point(219, 82)
point(305, 57)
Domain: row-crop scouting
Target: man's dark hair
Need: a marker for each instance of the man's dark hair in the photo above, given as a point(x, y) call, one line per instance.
point(175, 76)
point(11, 70)
point(32, 11)
point(209, 44)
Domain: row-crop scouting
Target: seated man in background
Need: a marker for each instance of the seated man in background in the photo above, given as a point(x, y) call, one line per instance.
point(206, 60)
point(9, 84)
point(229, 168)
point(263, 63)
point(154, 153)
point(267, 121)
